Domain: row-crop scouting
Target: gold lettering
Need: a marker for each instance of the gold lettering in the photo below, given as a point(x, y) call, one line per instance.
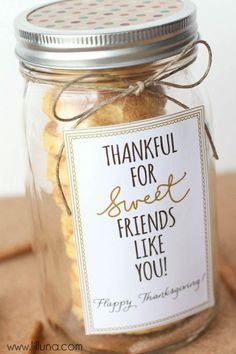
point(117, 206)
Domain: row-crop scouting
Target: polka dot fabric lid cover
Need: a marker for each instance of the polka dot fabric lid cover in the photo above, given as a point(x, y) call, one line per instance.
point(102, 14)
point(72, 34)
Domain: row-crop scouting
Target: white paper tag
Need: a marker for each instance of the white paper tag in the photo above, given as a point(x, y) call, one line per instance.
point(140, 206)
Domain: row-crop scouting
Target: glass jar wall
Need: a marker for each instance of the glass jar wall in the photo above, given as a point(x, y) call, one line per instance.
point(54, 235)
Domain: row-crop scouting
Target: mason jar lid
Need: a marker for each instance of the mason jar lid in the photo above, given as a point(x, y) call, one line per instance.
point(79, 34)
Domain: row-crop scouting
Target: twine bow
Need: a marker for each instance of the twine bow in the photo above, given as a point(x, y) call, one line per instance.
point(158, 78)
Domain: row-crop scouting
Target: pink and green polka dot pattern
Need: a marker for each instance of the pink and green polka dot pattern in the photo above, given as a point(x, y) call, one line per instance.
point(102, 14)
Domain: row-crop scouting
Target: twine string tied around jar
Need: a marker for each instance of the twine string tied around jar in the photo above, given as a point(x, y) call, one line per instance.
point(158, 78)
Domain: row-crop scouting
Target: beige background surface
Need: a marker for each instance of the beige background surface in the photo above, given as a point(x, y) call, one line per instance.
point(19, 285)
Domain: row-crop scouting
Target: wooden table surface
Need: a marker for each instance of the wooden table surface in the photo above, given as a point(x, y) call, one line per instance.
point(19, 300)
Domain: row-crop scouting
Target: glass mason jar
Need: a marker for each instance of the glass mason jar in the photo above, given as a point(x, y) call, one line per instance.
point(122, 194)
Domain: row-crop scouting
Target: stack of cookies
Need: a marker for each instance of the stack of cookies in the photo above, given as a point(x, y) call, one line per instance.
point(73, 102)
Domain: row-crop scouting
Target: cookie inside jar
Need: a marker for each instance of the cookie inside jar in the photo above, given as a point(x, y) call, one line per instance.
point(128, 109)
